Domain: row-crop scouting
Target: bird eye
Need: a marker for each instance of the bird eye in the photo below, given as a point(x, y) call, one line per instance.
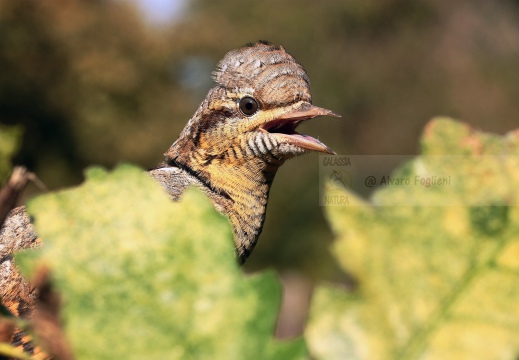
point(248, 106)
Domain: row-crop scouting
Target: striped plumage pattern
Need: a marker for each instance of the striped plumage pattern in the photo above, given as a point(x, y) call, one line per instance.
point(236, 155)
point(265, 71)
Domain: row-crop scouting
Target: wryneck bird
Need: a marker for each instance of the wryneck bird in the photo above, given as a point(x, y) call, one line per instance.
point(232, 147)
point(240, 135)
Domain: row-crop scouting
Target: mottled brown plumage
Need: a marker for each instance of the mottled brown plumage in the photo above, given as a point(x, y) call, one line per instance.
point(231, 148)
point(233, 156)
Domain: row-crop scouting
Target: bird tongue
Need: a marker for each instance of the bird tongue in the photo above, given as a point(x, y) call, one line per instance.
point(306, 142)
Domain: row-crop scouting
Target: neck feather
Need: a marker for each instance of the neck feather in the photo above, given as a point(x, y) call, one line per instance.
point(238, 188)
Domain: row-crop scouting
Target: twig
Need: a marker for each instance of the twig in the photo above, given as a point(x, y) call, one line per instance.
point(11, 191)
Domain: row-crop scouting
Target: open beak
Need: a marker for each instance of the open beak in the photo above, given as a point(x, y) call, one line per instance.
point(284, 126)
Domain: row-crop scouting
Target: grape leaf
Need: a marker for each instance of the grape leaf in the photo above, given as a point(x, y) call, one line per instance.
point(434, 282)
point(143, 277)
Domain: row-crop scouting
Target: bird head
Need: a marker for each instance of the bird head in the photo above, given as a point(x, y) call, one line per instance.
point(243, 131)
point(251, 114)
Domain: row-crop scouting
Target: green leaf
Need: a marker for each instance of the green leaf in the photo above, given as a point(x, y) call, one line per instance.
point(434, 282)
point(10, 138)
point(143, 277)
point(8, 351)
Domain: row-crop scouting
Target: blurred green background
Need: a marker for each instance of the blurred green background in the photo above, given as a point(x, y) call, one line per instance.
point(100, 82)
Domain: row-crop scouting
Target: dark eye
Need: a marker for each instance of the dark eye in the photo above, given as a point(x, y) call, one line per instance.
point(248, 106)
